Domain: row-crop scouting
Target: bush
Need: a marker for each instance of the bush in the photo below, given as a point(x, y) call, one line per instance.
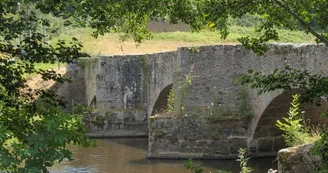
point(32, 140)
point(296, 131)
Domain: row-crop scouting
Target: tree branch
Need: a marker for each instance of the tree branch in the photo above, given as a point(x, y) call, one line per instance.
point(306, 25)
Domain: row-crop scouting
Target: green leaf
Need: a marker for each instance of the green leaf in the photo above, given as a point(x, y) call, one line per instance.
point(67, 23)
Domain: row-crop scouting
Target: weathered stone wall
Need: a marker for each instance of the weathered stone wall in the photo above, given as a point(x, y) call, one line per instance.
point(120, 96)
point(185, 137)
point(127, 89)
point(160, 70)
point(216, 67)
point(82, 89)
point(306, 57)
point(298, 159)
point(213, 70)
point(202, 138)
point(269, 135)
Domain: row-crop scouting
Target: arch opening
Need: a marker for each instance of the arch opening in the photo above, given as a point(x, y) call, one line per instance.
point(278, 108)
point(160, 105)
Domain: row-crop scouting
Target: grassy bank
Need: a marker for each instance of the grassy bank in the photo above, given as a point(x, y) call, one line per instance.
point(45, 66)
point(110, 43)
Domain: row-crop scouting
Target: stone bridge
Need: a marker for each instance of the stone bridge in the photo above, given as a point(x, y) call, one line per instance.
point(207, 120)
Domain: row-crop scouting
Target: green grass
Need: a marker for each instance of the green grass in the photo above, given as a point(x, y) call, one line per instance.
point(286, 36)
point(44, 66)
point(110, 43)
point(47, 66)
point(236, 32)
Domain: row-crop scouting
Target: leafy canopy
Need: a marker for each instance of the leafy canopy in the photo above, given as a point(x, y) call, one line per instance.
point(34, 133)
point(131, 17)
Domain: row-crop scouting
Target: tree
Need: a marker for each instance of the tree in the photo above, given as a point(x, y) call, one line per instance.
point(25, 123)
point(131, 17)
point(34, 133)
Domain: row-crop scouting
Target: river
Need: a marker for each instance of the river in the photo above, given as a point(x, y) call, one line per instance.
point(127, 155)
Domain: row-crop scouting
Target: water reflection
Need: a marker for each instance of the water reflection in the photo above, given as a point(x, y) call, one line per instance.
point(128, 156)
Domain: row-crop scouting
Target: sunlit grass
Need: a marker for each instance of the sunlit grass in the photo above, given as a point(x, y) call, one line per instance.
point(314, 133)
point(45, 66)
point(110, 43)
point(236, 32)
point(167, 41)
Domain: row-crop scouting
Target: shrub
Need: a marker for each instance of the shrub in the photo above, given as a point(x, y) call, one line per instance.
point(243, 161)
point(296, 131)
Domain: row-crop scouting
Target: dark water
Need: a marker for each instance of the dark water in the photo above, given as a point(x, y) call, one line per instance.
point(128, 156)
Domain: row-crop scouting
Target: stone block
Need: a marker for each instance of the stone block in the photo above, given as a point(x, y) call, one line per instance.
point(298, 159)
point(252, 146)
point(274, 131)
point(279, 143)
point(265, 121)
point(158, 146)
point(221, 147)
point(240, 131)
point(260, 131)
point(235, 143)
point(265, 144)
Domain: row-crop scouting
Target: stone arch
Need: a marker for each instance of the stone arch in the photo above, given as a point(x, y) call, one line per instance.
point(161, 101)
point(267, 136)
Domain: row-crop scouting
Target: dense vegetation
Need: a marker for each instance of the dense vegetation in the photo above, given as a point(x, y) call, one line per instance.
point(34, 131)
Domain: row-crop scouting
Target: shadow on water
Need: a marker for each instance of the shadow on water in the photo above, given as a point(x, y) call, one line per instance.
point(127, 155)
point(260, 164)
point(138, 143)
